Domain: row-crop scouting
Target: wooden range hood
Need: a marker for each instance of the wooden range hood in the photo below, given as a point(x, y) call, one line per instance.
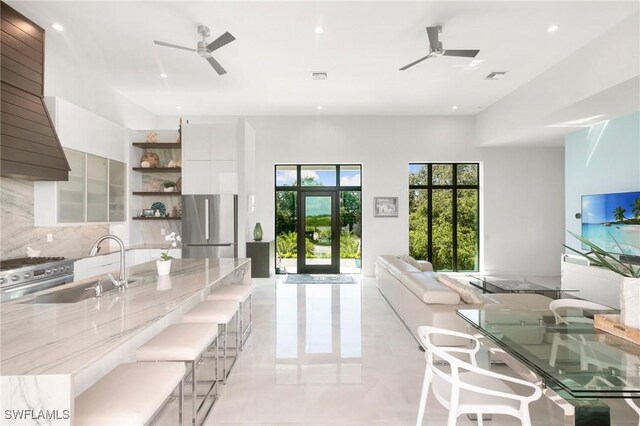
point(29, 145)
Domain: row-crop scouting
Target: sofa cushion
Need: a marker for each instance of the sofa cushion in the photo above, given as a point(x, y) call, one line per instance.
point(399, 268)
point(429, 290)
point(467, 293)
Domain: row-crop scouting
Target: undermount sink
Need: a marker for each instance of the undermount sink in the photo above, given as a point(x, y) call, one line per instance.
point(73, 294)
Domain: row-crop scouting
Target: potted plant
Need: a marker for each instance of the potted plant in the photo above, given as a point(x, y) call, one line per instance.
point(630, 283)
point(169, 186)
point(164, 263)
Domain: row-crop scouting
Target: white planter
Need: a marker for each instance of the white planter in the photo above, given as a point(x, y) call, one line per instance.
point(164, 282)
point(630, 302)
point(164, 266)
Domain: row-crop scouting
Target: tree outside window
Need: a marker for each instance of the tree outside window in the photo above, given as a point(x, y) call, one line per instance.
point(444, 215)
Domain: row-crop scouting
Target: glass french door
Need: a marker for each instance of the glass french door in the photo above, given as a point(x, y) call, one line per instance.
point(319, 233)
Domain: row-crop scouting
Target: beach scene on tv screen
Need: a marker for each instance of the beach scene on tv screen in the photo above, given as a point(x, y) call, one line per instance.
point(612, 221)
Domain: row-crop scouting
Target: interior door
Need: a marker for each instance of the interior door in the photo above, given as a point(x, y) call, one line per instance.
point(318, 233)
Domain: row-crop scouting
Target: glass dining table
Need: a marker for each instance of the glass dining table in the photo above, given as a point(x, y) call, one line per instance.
point(576, 364)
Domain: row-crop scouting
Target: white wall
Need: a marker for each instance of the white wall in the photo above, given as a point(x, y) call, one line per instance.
point(523, 188)
point(77, 86)
point(602, 64)
point(599, 160)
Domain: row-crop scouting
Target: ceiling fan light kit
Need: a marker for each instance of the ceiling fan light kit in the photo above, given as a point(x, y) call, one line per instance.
point(436, 50)
point(204, 49)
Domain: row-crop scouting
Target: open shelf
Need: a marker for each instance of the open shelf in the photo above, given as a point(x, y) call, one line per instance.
point(158, 145)
point(158, 169)
point(157, 218)
point(156, 193)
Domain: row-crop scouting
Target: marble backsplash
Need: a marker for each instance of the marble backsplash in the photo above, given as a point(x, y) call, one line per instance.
point(17, 231)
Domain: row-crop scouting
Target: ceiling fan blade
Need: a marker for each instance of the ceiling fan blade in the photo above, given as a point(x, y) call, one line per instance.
point(224, 39)
point(175, 46)
point(462, 53)
point(415, 62)
point(434, 36)
point(216, 66)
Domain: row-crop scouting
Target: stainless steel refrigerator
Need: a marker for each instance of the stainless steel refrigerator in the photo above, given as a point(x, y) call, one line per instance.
point(209, 226)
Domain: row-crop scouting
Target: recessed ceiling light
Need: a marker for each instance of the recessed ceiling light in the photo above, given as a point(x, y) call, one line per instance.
point(553, 28)
point(57, 27)
point(319, 107)
point(319, 30)
point(163, 75)
point(454, 107)
point(179, 107)
point(318, 75)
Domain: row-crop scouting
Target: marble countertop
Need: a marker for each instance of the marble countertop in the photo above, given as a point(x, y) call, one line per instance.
point(67, 338)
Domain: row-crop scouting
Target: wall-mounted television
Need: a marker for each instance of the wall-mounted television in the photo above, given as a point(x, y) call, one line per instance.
point(607, 218)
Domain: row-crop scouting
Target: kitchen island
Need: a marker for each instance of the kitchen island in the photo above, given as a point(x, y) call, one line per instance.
point(50, 353)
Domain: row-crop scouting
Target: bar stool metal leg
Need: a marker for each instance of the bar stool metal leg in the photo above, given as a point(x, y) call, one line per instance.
point(194, 394)
point(181, 403)
point(224, 354)
point(238, 331)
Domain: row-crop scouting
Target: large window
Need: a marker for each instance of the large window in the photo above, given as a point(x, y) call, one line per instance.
point(444, 215)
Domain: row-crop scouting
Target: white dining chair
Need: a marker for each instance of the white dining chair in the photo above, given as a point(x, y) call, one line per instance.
point(561, 309)
point(571, 311)
point(465, 388)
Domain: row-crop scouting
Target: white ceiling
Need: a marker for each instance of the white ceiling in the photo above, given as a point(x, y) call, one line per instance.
point(364, 43)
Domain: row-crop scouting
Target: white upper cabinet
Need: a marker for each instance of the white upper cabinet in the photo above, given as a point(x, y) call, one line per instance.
point(224, 142)
point(210, 153)
point(196, 142)
point(196, 177)
point(96, 150)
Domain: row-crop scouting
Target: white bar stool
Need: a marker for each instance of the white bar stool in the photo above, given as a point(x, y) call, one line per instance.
point(240, 293)
point(130, 394)
point(185, 343)
point(219, 312)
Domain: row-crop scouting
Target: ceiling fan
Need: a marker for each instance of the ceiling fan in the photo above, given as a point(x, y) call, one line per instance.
point(204, 50)
point(435, 48)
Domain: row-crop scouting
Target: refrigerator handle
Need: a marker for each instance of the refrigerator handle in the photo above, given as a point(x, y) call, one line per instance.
point(206, 218)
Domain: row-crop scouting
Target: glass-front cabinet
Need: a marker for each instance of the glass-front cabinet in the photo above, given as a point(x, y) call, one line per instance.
point(95, 191)
point(71, 194)
point(117, 194)
point(97, 182)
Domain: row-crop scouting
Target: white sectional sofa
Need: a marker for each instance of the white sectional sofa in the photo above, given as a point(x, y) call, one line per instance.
point(422, 297)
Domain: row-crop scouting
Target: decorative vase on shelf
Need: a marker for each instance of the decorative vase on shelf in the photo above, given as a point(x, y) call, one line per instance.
point(630, 302)
point(257, 232)
point(164, 267)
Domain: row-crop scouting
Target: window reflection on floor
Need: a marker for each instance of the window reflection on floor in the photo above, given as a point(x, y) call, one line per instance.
point(318, 333)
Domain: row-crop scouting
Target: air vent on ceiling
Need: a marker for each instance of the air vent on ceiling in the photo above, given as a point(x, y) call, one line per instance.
point(496, 75)
point(319, 75)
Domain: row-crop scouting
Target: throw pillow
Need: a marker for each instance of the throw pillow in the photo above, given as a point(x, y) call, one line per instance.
point(467, 293)
point(411, 261)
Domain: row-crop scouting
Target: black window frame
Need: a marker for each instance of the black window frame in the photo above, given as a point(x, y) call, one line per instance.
point(454, 187)
point(298, 188)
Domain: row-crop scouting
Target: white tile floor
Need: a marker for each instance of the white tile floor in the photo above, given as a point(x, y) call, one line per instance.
point(337, 355)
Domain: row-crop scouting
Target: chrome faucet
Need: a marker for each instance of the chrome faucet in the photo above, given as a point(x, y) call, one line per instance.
point(121, 282)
